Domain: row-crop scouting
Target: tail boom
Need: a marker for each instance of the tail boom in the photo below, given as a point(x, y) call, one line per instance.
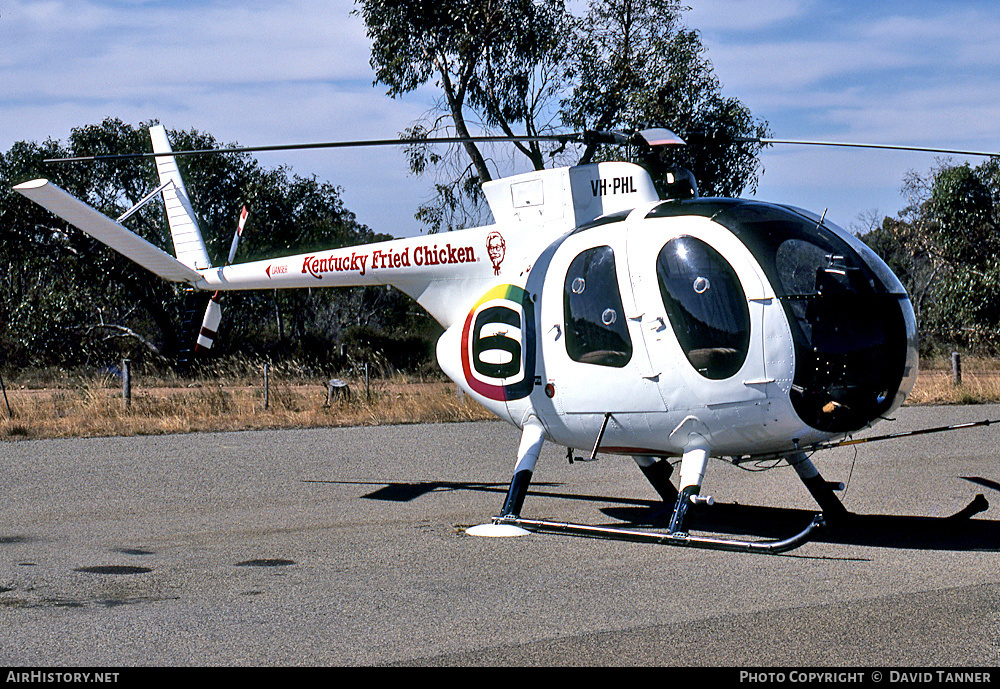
point(444, 274)
point(440, 275)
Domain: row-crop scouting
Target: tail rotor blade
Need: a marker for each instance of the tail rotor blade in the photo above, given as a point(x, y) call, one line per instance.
point(236, 237)
point(210, 324)
point(213, 312)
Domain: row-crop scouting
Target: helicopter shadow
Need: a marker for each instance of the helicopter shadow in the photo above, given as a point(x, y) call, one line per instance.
point(957, 532)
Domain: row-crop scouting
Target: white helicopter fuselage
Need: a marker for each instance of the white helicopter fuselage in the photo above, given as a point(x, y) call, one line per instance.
point(594, 308)
point(595, 315)
point(505, 294)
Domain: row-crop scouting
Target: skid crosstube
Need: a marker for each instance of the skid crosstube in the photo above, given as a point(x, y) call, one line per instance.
point(675, 539)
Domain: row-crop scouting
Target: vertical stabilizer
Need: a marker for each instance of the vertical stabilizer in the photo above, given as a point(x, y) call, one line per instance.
point(188, 244)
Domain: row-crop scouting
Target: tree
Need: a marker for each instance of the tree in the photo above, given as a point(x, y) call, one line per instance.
point(531, 67)
point(68, 298)
point(72, 301)
point(945, 248)
point(491, 60)
point(636, 66)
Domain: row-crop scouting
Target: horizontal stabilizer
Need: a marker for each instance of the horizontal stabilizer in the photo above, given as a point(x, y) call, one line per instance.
point(103, 228)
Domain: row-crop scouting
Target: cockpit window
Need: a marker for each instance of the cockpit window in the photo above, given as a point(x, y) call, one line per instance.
point(596, 328)
point(706, 306)
point(797, 262)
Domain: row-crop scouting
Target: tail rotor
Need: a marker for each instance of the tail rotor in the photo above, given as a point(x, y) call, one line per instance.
point(213, 312)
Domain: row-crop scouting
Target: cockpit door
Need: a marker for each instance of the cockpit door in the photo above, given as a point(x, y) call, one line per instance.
point(595, 354)
point(701, 305)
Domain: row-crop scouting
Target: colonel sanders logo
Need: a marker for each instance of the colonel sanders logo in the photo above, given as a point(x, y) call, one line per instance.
point(496, 247)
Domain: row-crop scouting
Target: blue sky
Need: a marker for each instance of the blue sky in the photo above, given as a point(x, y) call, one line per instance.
point(915, 72)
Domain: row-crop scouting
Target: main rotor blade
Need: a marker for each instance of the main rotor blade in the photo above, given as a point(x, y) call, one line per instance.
point(845, 144)
point(326, 144)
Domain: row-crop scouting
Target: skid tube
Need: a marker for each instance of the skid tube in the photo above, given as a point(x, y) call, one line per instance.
point(676, 538)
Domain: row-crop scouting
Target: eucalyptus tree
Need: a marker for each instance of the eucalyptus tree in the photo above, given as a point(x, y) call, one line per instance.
point(533, 67)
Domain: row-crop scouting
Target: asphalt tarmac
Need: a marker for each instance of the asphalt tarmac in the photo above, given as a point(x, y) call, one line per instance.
point(347, 547)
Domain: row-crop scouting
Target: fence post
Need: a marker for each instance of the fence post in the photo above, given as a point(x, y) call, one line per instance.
point(126, 383)
point(10, 414)
point(267, 388)
point(956, 368)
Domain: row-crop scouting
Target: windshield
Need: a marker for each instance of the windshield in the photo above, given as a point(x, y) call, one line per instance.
point(852, 327)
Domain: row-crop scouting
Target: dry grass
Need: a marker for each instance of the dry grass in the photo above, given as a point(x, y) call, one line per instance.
point(61, 405)
point(936, 387)
point(95, 408)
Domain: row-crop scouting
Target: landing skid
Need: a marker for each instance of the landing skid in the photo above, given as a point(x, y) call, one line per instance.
point(674, 538)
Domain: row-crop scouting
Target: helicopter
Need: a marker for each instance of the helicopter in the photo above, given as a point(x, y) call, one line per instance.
point(595, 314)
